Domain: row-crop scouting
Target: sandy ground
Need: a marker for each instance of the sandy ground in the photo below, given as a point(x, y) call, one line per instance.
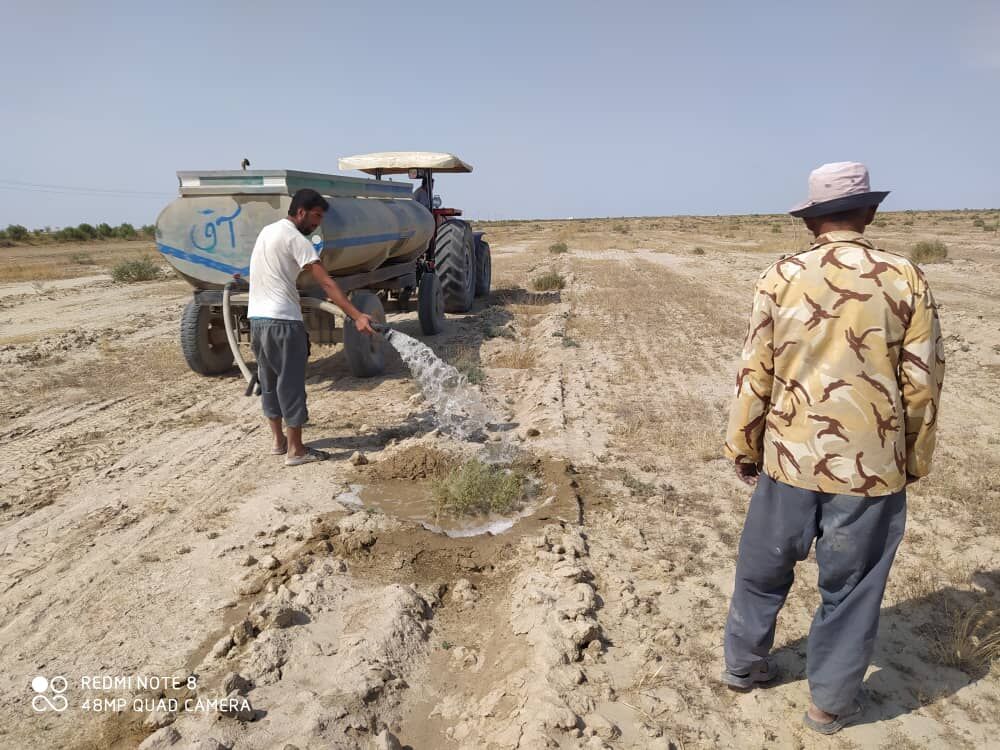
point(145, 531)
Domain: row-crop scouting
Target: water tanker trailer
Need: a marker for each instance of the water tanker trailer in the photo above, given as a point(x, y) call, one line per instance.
point(379, 240)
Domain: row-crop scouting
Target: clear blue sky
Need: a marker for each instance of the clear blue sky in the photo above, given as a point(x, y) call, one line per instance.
point(564, 108)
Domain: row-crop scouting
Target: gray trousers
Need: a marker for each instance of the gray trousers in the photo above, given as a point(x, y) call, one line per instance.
point(281, 348)
point(856, 541)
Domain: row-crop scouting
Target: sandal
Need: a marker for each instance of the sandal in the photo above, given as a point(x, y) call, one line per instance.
point(761, 672)
point(312, 455)
point(280, 451)
point(832, 727)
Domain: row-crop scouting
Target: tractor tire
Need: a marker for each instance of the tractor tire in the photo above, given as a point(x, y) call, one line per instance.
point(365, 354)
point(203, 340)
point(430, 304)
point(484, 268)
point(455, 264)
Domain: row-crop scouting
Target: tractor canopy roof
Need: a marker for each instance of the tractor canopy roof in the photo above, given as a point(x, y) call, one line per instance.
point(401, 162)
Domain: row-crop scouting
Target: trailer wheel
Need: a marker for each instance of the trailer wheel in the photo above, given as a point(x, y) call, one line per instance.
point(430, 304)
point(365, 354)
point(403, 299)
point(484, 268)
point(455, 263)
point(203, 340)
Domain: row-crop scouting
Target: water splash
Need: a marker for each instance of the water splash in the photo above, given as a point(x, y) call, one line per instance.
point(459, 408)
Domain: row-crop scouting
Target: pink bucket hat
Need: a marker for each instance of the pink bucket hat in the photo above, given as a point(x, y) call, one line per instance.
point(839, 186)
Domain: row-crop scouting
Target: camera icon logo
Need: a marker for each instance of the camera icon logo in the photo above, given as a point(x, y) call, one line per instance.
point(42, 702)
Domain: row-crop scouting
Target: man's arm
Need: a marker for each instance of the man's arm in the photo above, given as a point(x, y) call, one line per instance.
point(333, 292)
point(921, 376)
point(745, 436)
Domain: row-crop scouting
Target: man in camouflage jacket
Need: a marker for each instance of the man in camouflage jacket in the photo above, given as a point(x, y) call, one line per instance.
point(835, 413)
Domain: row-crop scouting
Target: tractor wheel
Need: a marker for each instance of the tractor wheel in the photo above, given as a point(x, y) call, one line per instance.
point(430, 304)
point(484, 268)
point(365, 354)
point(455, 264)
point(203, 340)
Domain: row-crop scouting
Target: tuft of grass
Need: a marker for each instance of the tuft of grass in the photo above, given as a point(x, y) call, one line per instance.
point(131, 271)
point(466, 361)
point(558, 247)
point(518, 357)
point(928, 251)
point(548, 282)
point(970, 640)
point(476, 488)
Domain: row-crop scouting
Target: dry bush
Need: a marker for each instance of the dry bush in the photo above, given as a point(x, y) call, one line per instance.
point(558, 248)
point(929, 251)
point(968, 639)
point(548, 282)
point(517, 357)
point(132, 271)
point(630, 420)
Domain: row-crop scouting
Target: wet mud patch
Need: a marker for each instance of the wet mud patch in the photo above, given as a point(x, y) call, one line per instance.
point(415, 462)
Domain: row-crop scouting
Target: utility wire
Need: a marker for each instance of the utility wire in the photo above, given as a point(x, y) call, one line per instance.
point(33, 187)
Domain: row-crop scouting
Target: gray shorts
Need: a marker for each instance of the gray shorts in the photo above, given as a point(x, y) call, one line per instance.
point(282, 349)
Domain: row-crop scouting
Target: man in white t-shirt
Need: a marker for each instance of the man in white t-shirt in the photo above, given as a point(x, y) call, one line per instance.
point(277, 333)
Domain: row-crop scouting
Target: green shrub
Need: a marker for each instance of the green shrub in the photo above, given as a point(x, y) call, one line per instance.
point(558, 247)
point(105, 230)
point(130, 271)
point(548, 282)
point(477, 488)
point(928, 251)
point(978, 222)
point(148, 231)
point(17, 233)
point(70, 234)
point(88, 231)
point(125, 232)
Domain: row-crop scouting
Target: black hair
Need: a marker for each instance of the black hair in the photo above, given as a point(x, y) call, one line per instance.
point(308, 199)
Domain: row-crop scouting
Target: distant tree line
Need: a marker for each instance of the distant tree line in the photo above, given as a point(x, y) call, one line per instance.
point(80, 233)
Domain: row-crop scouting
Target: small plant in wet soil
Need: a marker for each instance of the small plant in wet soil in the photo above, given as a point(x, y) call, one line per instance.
point(477, 488)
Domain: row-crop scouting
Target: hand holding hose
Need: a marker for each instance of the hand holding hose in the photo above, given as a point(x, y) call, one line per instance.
point(363, 323)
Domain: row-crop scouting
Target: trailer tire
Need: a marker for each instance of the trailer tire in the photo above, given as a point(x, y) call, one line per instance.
point(203, 340)
point(455, 263)
point(365, 354)
point(430, 304)
point(484, 268)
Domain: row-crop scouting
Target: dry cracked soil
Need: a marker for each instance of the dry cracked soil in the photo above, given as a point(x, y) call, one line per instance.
point(146, 534)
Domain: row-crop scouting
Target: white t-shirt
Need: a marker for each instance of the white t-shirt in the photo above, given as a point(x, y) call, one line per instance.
point(280, 254)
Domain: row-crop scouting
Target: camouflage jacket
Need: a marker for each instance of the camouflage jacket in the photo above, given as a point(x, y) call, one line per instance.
point(841, 372)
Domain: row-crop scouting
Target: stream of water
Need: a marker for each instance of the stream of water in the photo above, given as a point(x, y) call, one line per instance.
point(458, 406)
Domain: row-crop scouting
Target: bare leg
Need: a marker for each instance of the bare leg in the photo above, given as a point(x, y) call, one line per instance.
point(295, 447)
point(277, 432)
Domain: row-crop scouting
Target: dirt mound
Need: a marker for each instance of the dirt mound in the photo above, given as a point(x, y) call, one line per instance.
point(415, 462)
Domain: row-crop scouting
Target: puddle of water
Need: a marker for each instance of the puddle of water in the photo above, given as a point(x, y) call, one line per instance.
point(413, 501)
point(458, 406)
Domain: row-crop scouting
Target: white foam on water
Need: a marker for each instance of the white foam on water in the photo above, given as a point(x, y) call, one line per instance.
point(458, 406)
